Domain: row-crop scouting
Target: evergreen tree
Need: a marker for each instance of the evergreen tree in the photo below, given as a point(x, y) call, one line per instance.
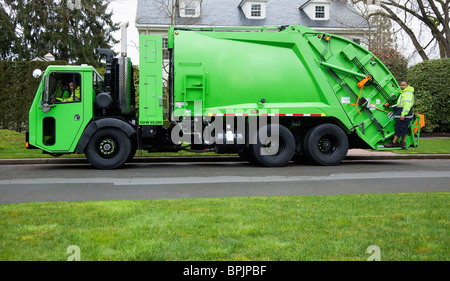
point(47, 26)
point(7, 35)
point(382, 35)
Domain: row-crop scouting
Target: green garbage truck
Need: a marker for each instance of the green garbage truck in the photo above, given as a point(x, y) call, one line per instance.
point(270, 94)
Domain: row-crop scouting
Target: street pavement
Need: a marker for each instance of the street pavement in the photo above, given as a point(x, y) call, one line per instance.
point(63, 179)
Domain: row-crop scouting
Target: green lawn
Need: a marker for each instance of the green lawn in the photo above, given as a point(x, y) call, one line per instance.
point(413, 226)
point(428, 146)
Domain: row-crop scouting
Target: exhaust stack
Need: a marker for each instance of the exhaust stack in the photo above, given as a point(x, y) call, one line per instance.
point(123, 30)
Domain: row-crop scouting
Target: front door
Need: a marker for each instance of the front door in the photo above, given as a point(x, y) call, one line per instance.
point(60, 124)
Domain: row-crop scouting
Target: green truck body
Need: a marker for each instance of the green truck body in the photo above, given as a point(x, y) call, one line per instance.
point(271, 95)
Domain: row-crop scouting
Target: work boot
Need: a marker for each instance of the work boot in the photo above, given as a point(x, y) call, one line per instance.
point(390, 145)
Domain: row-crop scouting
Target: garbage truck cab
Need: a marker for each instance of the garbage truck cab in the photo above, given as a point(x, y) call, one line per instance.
point(58, 116)
point(74, 105)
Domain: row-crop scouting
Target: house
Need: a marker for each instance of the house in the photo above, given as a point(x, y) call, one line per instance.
point(47, 57)
point(335, 17)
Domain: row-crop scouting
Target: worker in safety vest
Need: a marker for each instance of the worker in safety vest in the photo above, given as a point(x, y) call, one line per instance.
point(403, 115)
point(74, 94)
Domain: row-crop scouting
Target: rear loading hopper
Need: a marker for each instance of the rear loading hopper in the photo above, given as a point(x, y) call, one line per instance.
point(295, 71)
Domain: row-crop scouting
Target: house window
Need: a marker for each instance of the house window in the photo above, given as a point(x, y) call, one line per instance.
point(320, 12)
point(166, 54)
point(189, 8)
point(256, 10)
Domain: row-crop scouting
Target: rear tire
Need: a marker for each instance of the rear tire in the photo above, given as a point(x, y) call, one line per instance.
point(108, 148)
point(276, 153)
point(326, 144)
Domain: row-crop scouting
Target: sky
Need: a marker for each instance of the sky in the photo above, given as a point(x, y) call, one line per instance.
point(123, 11)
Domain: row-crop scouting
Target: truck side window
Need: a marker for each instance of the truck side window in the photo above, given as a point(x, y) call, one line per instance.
point(65, 87)
point(97, 82)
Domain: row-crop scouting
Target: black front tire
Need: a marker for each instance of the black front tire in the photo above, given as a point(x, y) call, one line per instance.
point(108, 148)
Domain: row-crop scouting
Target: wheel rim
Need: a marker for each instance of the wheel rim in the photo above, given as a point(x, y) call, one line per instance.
point(274, 147)
point(107, 147)
point(328, 144)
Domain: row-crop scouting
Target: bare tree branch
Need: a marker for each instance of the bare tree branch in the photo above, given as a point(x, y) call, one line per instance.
point(434, 15)
point(390, 14)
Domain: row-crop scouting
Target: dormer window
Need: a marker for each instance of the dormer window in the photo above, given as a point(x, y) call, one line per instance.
point(254, 9)
point(317, 9)
point(189, 8)
point(189, 11)
point(320, 12)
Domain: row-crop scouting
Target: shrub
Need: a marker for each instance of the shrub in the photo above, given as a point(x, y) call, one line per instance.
point(431, 82)
point(394, 61)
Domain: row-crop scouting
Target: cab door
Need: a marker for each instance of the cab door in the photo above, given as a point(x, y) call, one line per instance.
point(61, 116)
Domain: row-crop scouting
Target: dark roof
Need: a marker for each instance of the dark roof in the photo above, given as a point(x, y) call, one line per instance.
point(227, 13)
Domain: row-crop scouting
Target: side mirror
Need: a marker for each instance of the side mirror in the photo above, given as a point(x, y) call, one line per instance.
point(37, 73)
point(46, 108)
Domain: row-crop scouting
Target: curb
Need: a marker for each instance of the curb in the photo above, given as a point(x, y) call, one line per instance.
point(31, 161)
point(398, 157)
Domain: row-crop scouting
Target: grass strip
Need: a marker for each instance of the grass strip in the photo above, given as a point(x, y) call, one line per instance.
point(428, 146)
point(410, 226)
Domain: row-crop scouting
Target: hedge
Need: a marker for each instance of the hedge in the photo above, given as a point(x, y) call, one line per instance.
point(431, 83)
point(17, 90)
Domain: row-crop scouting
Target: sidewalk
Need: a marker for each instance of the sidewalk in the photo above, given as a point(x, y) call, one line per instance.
point(361, 154)
point(353, 154)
